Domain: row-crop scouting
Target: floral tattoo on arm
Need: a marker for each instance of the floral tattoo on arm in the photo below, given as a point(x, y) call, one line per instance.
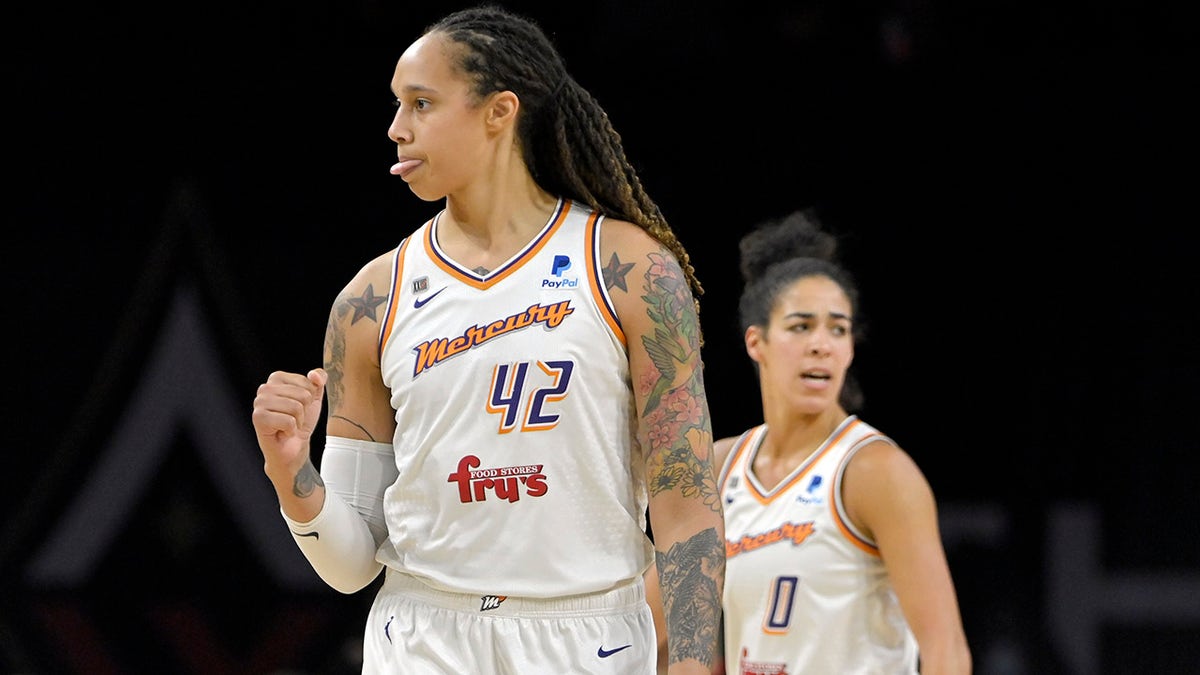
point(676, 416)
point(675, 410)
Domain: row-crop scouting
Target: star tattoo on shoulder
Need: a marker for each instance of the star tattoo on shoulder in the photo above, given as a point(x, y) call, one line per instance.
point(365, 304)
point(614, 273)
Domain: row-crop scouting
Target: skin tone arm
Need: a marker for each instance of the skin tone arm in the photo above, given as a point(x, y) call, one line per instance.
point(721, 449)
point(654, 599)
point(889, 498)
point(288, 406)
point(359, 403)
point(661, 328)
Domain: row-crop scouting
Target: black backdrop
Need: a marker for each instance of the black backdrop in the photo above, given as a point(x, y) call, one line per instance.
point(190, 184)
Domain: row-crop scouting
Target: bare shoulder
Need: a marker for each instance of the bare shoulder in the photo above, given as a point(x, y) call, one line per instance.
point(616, 232)
point(882, 455)
point(358, 400)
point(882, 481)
point(643, 277)
point(360, 304)
point(626, 252)
point(371, 280)
point(883, 465)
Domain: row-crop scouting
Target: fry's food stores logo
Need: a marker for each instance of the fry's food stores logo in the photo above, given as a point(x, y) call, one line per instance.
point(474, 483)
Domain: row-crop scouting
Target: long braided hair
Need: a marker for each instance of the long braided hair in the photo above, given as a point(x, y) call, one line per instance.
point(566, 138)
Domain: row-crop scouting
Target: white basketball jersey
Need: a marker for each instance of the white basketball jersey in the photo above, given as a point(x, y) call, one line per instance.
point(805, 592)
point(519, 469)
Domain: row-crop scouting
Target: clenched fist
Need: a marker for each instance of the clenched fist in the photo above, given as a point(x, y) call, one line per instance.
point(286, 411)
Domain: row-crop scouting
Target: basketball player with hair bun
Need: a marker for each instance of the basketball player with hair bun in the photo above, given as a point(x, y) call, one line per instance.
point(834, 561)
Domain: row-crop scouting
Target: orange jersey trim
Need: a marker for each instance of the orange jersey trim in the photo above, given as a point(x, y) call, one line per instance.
point(502, 273)
point(835, 500)
point(389, 318)
point(739, 446)
point(596, 278)
point(766, 498)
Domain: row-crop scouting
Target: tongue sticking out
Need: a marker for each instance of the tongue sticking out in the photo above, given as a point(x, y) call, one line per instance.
point(403, 167)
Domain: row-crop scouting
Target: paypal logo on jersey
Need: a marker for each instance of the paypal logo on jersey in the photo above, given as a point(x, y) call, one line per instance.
point(561, 264)
point(810, 495)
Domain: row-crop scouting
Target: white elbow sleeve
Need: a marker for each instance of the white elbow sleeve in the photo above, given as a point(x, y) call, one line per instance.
point(341, 542)
point(359, 472)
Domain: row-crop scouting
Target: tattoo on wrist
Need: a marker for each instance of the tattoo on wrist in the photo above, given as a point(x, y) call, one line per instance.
point(307, 480)
point(691, 575)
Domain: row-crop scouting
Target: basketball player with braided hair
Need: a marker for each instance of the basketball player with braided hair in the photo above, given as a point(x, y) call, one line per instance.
point(510, 390)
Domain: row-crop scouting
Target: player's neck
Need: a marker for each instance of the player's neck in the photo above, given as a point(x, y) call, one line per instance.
point(797, 436)
point(484, 233)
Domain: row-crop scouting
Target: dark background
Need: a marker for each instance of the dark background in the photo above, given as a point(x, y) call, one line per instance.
point(189, 185)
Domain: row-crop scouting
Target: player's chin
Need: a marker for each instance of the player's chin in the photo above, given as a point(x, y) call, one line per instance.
point(425, 194)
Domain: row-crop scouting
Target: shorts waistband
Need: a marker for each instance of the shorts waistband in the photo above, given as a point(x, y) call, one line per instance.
point(622, 599)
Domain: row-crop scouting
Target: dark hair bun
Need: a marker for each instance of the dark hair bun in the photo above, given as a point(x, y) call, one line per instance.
point(797, 235)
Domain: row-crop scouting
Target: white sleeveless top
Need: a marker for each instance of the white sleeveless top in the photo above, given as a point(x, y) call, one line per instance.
point(515, 420)
point(805, 592)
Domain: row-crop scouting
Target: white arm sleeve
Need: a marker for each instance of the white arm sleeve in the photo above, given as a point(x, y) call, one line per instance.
point(359, 472)
point(341, 542)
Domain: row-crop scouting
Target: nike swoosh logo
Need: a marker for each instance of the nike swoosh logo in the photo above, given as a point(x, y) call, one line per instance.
point(418, 303)
point(605, 653)
point(316, 535)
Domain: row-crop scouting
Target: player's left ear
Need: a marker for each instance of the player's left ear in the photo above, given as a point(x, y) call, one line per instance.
point(502, 110)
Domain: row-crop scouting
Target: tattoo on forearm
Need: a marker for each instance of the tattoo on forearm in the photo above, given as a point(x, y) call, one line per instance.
point(307, 480)
point(691, 575)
